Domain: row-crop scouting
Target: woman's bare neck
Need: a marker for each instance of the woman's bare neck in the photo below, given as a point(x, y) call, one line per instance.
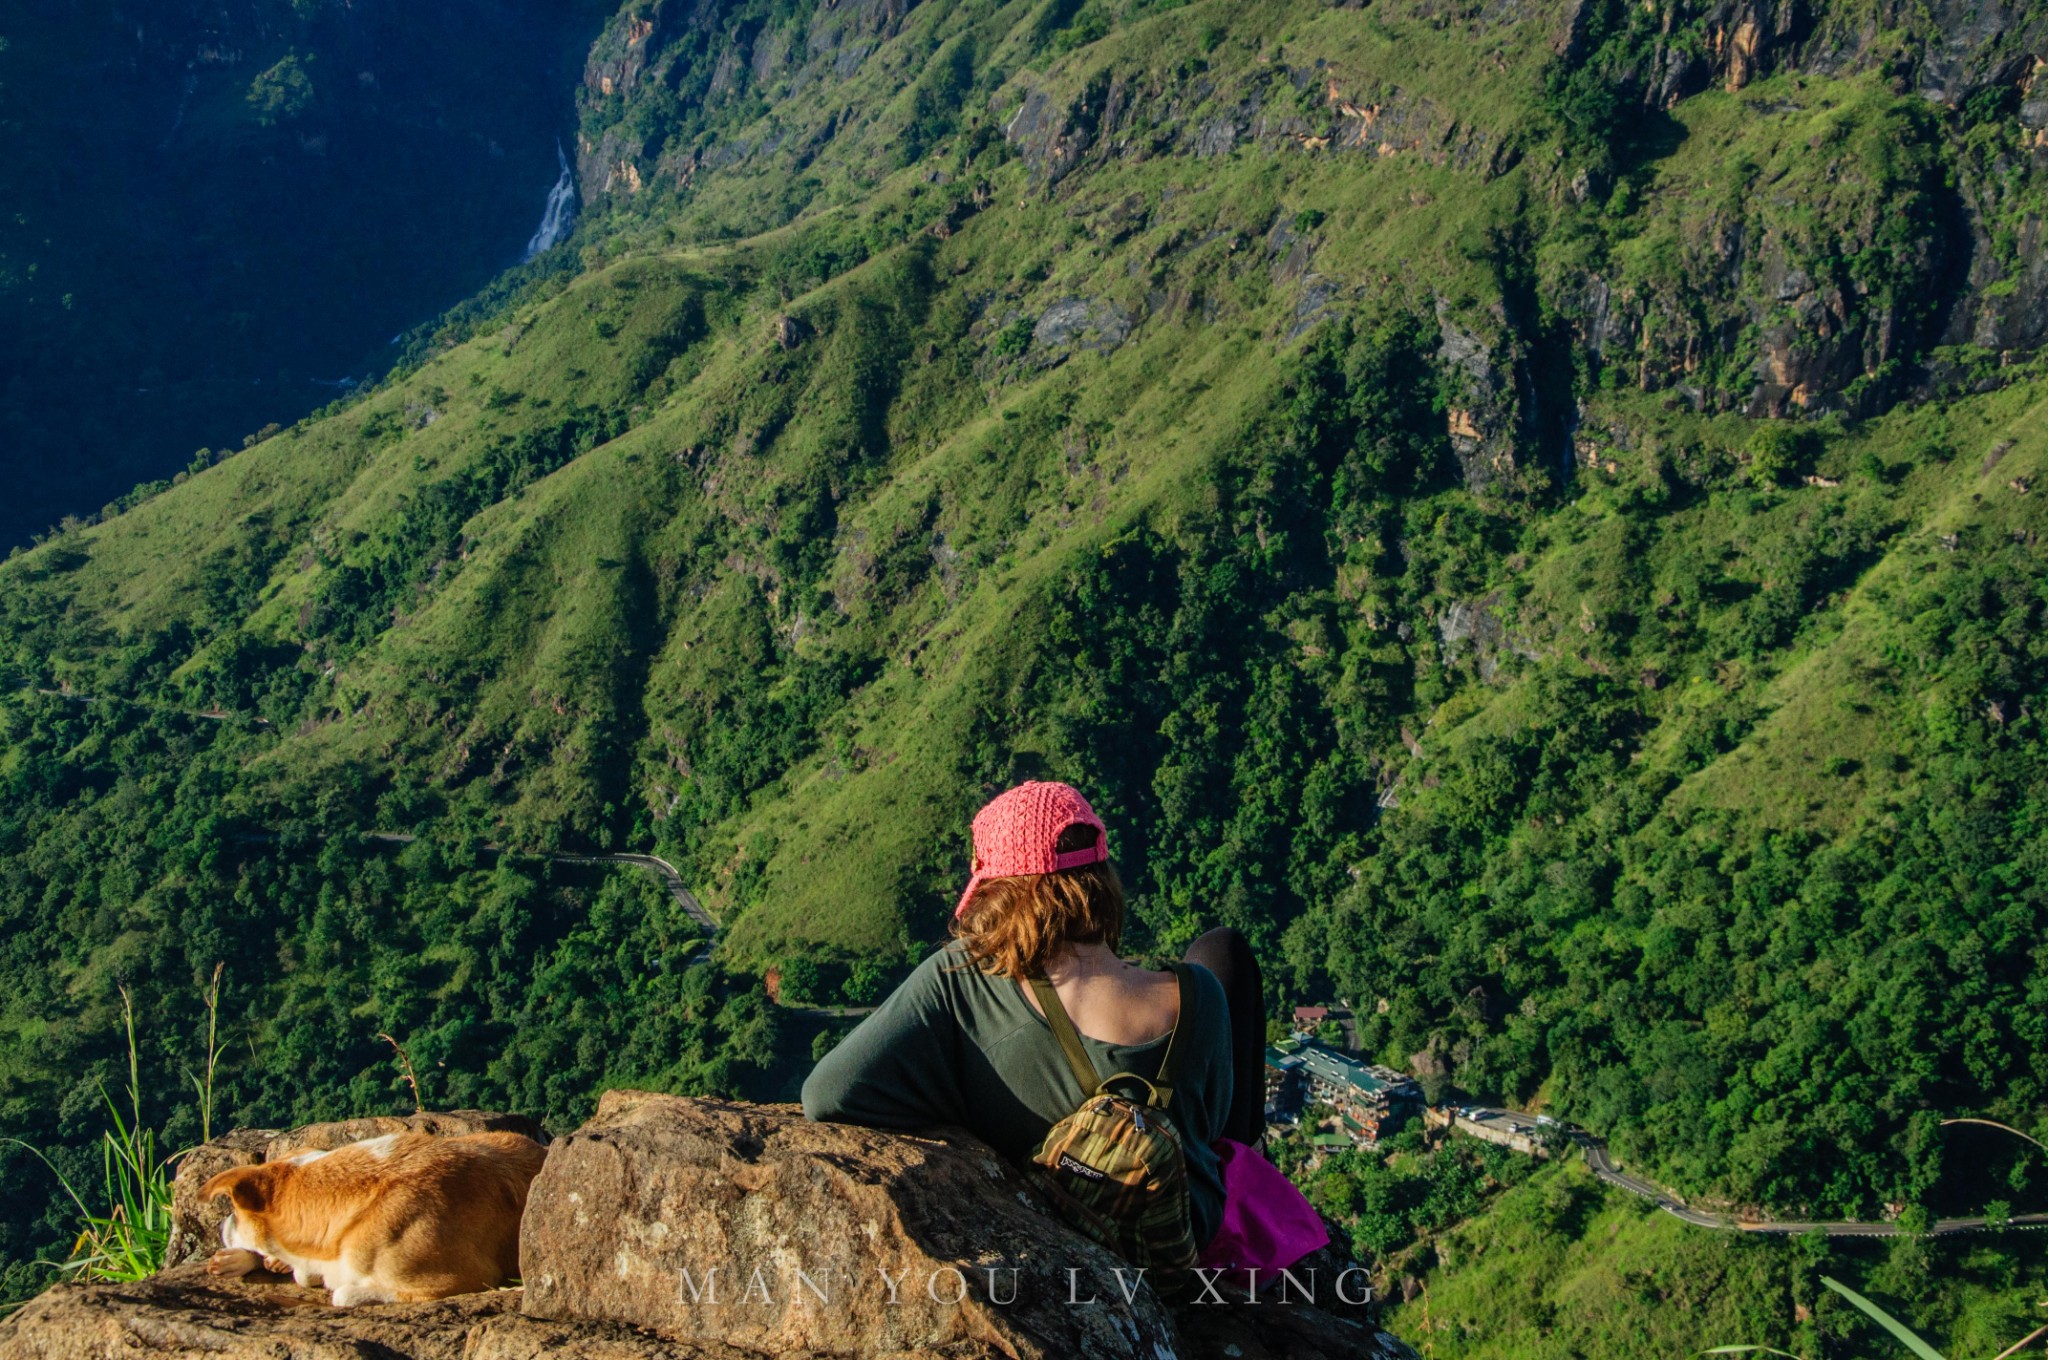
point(1077, 961)
point(1110, 999)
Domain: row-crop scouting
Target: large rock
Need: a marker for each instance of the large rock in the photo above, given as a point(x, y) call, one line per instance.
point(749, 1225)
point(195, 1223)
point(640, 1206)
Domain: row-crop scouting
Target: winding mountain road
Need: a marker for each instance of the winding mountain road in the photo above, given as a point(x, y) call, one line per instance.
point(1603, 1166)
point(205, 714)
point(685, 899)
point(677, 889)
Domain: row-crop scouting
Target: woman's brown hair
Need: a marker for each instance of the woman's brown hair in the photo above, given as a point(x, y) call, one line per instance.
point(1013, 925)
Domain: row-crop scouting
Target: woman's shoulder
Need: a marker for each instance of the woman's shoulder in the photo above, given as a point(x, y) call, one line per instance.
point(950, 971)
point(949, 965)
point(947, 955)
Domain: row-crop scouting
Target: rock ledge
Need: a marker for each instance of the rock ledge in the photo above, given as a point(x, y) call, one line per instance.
point(715, 1230)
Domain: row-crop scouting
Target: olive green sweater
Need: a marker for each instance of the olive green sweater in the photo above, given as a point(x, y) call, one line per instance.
point(955, 1045)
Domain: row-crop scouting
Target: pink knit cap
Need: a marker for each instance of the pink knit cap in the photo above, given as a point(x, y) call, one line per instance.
point(1019, 830)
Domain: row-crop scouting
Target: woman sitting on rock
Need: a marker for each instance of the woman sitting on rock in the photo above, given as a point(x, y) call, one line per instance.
point(1018, 1026)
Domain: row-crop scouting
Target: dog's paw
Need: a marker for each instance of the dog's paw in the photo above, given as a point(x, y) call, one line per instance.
point(352, 1295)
point(233, 1261)
point(277, 1267)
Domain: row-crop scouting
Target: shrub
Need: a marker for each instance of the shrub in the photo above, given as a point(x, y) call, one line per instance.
point(1777, 453)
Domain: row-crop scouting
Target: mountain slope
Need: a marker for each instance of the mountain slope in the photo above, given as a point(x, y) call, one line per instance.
point(1489, 502)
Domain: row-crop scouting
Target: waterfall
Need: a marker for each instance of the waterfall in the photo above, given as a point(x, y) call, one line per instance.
point(184, 100)
point(560, 211)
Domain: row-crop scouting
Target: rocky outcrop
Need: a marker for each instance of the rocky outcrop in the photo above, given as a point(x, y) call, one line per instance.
point(749, 1225)
point(195, 1223)
point(1483, 409)
point(1945, 50)
point(1051, 134)
point(690, 62)
point(1383, 119)
point(1899, 245)
point(1118, 115)
point(1082, 323)
point(789, 331)
point(1824, 291)
point(2004, 307)
point(1476, 626)
point(715, 1230)
point(1821, 332)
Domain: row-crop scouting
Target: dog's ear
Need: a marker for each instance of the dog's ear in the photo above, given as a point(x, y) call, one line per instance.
point(247, 1186)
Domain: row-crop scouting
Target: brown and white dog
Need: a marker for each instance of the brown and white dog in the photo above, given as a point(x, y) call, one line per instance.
point(396, 1219)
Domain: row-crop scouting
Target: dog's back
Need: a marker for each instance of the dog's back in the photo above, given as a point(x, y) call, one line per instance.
point(404, 1217)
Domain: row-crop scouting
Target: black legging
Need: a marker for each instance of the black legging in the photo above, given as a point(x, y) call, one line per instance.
point(1226, 953)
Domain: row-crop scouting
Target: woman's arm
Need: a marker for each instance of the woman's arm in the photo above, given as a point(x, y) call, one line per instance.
point(899, 1068)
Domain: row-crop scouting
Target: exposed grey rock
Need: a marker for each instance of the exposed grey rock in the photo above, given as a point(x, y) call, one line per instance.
point(1950, 50)
point(1216, 137)
point(642, 54)
point(1484, 408)
point(2005, 305)
point(1052, 137)
point(1083, 323)
point(1476, 625)
point(1313, 305)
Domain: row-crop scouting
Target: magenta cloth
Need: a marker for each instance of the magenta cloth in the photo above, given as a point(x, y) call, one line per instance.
point(1267, 1223)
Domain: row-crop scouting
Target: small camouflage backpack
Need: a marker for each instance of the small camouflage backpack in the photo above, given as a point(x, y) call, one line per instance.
point(1115, 1169)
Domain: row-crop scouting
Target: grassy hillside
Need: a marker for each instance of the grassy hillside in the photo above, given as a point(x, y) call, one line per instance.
point(1547, 551)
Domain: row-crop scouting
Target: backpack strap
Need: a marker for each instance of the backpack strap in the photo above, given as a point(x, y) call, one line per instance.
point(1162, 1085)
point(1069, 1037)
point(1083, 1066)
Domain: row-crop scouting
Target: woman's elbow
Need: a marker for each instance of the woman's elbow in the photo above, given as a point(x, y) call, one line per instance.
point(822, 1104)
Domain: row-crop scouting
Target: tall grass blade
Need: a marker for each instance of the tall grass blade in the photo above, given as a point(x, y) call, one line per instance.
point(2016, 1347)
point(126, 1240)
point(1884, 1320)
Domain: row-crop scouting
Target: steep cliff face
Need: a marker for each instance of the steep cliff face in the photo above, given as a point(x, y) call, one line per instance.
point(1947, 51)
point(1808, 246)
point(1799, 209)
point(1798, 254)
point(666, 79)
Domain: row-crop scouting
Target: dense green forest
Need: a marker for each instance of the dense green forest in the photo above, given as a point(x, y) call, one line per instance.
point(1525, 510)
